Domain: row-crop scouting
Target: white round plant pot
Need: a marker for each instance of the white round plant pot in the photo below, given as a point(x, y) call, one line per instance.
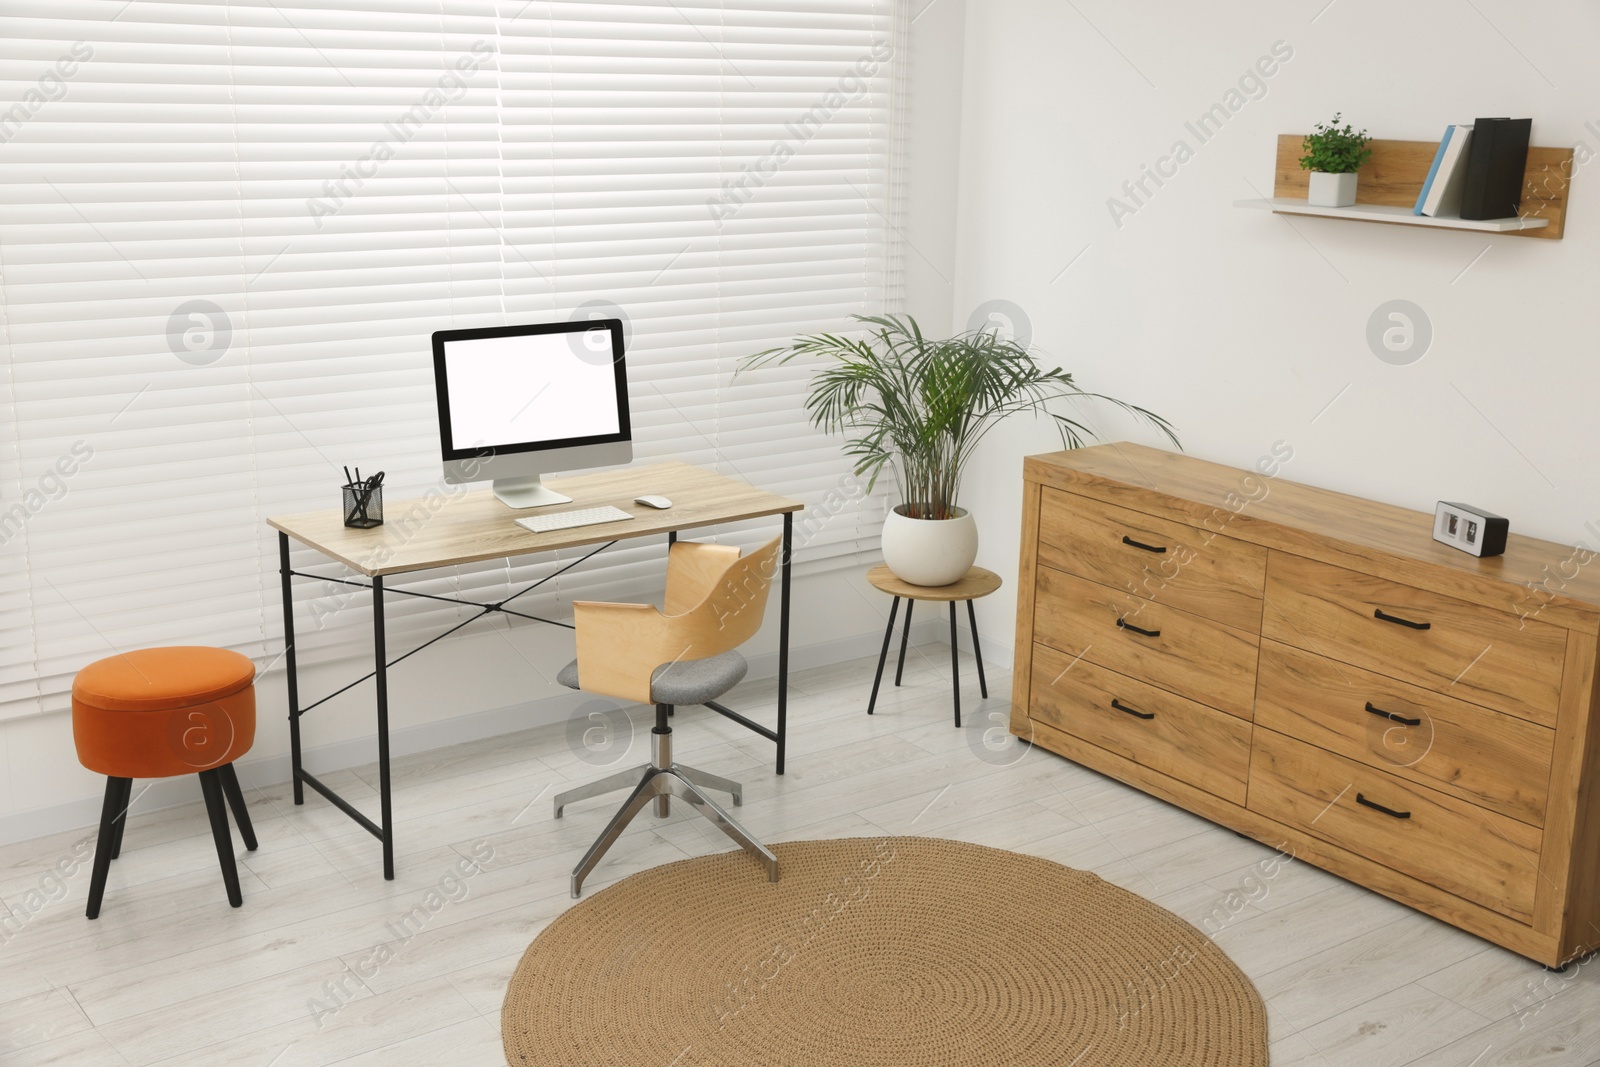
point(929, 551)
point(1331, 190)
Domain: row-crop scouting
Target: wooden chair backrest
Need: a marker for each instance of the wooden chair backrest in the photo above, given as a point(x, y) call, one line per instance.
point(715, 602)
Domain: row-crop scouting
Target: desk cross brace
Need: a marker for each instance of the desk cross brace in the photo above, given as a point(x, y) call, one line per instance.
point(747, 723)
point(497, 606)
point(483, 609)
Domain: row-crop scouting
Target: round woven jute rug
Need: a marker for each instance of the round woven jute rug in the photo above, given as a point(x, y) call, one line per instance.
point(877, 952)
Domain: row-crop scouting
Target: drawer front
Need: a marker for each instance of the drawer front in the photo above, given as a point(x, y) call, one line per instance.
point(1487, 657)
point(1466, 850)
point(1179, 652)
point(1482, 756)
point(1151, 727)
point(1192, 569)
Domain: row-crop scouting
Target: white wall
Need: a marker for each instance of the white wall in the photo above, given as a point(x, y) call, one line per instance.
point(1242, 327)
point(932, 111)
point(485, 684)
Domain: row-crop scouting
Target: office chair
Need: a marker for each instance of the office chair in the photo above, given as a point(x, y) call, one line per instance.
point(681, 654)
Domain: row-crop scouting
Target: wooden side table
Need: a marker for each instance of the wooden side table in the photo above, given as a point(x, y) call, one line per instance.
point(976, 583)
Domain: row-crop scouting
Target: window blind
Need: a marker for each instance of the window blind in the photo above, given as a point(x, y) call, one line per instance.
point(228, 231)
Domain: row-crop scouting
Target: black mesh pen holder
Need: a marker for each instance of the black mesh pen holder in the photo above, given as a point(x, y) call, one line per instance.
point(363, 507)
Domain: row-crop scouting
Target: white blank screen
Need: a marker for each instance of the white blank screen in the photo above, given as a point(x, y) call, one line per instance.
point(533, 388)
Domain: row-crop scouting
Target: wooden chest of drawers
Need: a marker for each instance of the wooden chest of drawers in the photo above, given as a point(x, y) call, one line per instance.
point(1313, 670)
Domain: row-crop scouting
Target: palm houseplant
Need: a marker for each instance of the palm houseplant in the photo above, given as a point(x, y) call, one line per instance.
point(919, 407)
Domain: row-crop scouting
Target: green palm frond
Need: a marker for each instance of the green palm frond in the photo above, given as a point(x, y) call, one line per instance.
point(920, 407)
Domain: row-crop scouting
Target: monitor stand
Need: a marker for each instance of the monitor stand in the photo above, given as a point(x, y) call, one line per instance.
point(526, 493)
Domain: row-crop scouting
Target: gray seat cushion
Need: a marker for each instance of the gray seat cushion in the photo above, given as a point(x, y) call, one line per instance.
point(693, 681)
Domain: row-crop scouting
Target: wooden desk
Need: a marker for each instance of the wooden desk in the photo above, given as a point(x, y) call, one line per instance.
point(475, 526)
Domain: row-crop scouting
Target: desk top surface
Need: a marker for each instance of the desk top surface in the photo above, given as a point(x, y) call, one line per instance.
point(444, 529)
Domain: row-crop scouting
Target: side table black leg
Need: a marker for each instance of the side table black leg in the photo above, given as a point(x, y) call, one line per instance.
point(977, 653)
point(905, 639)
point(955, 664)
point(888, 632)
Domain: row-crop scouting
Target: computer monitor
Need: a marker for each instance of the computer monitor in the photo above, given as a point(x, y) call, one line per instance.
point(518, 402)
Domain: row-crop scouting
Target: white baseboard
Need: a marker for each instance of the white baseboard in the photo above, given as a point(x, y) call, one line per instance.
point(474, 726)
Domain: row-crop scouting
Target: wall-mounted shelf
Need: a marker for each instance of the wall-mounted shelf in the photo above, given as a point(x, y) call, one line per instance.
point(1393, 176)
point(1401, 216)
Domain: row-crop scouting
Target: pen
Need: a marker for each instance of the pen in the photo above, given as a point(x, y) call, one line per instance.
point(369, 487)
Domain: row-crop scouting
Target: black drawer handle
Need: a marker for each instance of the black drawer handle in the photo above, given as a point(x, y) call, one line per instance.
point(1120, 706)
point(1126, 625)
point(1379, 613)
point(1392, 717)
point(1139, 544)
point(1379, 807)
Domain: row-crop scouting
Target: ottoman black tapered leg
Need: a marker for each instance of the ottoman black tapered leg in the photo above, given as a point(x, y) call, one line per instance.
point(112, 811)
point(241, 814)
point(211, 786)
point(124, 798)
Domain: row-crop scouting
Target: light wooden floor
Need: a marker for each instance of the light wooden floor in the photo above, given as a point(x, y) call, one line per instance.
point(171, 975)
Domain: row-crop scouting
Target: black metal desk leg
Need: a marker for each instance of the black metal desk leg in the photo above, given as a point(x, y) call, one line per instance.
point(955, 663)
point(977, 653)
point(883, 655)
point(905, 639)
point(783, 639)
point(382, 676)
point(290, 670)
point(672, 539)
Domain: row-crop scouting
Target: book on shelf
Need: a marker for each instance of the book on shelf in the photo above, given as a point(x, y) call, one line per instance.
point(1441, 197)
point(1496, 163)
point(1433, 171)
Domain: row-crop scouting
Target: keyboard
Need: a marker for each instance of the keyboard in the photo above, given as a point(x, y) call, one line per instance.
point(566, 520)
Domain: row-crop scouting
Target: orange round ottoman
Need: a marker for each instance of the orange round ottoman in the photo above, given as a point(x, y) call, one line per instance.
point(159, 713)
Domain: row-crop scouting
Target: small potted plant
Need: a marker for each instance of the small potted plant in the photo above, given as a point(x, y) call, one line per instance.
point(919, 407)
point(1333, 155)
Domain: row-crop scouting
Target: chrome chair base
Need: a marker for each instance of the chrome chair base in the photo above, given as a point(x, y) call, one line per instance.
point(660, 780)
point(633, 776)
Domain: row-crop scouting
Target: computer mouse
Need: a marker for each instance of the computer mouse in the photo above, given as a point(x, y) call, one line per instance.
point(658, 502)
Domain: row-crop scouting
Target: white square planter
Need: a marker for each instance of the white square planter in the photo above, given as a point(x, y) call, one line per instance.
point(1331, 190)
